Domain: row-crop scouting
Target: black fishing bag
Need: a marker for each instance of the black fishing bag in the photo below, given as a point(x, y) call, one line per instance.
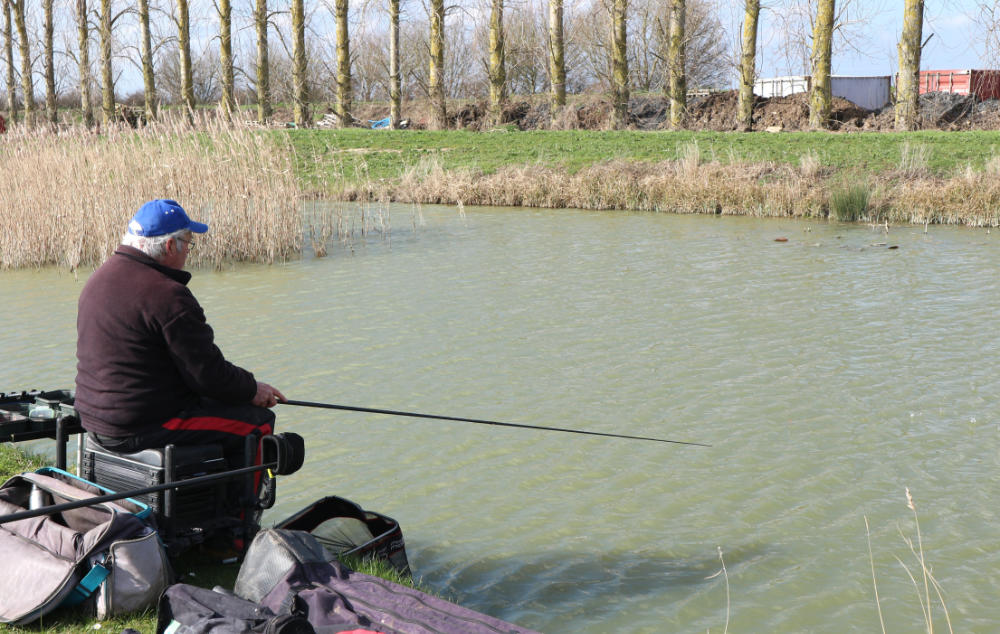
point(344, 528)
point(187, 609)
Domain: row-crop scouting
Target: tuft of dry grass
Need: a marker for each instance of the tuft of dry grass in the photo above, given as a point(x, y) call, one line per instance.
point(810, 165)
point(68, 195)
point(913, 160)
point(689, 161)
point(926, 580)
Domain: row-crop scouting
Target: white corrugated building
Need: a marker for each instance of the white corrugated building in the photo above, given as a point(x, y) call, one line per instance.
point(870, 93)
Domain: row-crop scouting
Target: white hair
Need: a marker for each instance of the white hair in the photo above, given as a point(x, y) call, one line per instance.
point(153, 246)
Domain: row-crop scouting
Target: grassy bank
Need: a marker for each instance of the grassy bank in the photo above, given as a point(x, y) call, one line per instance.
point(68, 196)
point(920, 177)
point(377, 154)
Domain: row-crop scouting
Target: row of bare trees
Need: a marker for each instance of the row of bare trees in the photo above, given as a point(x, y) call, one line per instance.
point(826, 20)
point(388, 51)
point(539, 46)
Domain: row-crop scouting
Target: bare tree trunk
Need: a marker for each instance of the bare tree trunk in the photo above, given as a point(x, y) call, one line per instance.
point(908, 84)
point(497, 69)
point(619, 63)
point(263, 69)
point(748, 69)
point(148, 77)
point(83, 41)
point(344, 96)
point(107, 79)
point(678, 76)
point(50, 67)
point(228, 103)
point(395, 82)
point(820, 95)
point(301, 105)
point(435, 80)
point(27, 86)
point(8, 55)
point(184, 47)
point(557, 57)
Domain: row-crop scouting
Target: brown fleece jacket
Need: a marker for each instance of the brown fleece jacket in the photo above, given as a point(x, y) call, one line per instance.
point(144, 349)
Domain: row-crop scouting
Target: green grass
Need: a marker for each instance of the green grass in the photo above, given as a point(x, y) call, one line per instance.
point(359, 154)
point(13, 461)
point(849, 203)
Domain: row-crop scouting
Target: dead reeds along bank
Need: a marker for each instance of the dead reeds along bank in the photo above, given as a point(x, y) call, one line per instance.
point(691, 185)
point(67, 196)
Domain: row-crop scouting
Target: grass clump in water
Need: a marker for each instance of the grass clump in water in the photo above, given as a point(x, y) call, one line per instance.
point(850, 203)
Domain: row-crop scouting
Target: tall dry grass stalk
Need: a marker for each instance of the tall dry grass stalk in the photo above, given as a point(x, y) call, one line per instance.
point(689, 160)
point(871, 560)
point(927, 579)
point(913, 159)
point(809, 165)
point(725, 576)
point(68, 196)
point(992, 166)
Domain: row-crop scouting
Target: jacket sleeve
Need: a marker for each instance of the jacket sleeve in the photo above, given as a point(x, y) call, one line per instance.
point(191, 343)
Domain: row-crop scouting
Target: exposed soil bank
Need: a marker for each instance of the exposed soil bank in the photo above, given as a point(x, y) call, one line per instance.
point(717, 111)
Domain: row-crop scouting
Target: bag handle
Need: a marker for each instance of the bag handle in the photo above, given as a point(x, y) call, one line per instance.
point(90, 582)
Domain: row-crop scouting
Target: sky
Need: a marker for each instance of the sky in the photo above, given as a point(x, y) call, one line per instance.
point(873, 29)
point(955, 42)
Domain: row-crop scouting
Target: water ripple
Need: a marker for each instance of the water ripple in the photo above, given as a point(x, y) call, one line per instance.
point(828, 372)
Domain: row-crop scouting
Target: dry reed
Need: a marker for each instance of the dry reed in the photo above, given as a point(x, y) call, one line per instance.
point(68, 195)
point(927, 578)
point(692, 185)
point(725, 575)
point(708, 187)
point(913, 160)
point(809, 165)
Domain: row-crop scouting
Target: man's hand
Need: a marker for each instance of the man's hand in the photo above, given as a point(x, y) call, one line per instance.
point(267, 396)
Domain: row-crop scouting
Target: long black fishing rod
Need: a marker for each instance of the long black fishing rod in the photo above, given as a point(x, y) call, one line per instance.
point(481, 422)
point(111, 497)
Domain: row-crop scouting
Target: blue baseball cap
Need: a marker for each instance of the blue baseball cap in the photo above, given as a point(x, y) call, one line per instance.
point(160, 217)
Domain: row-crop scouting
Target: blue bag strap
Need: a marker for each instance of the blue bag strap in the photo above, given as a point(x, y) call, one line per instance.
point(90, 582)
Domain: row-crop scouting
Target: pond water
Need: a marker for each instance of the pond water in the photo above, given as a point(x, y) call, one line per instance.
point(829, 372)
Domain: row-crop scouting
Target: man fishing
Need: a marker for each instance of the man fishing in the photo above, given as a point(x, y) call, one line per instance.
point(149, 372)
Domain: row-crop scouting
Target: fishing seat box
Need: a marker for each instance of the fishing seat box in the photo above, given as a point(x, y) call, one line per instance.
point(188, 515)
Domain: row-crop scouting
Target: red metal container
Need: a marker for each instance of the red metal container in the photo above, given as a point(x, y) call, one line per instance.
point(983, 84)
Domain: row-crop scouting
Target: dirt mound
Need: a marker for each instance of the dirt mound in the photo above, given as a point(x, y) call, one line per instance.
point(715, 111)
point(718, 112)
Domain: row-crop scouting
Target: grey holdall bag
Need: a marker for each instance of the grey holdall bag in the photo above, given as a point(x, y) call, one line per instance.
point(105, 555)
point(289, 572)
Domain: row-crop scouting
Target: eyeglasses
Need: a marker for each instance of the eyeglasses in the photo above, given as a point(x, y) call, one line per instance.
point(190, 243)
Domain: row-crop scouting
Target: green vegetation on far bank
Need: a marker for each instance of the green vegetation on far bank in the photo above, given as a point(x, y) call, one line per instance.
point(360, 154)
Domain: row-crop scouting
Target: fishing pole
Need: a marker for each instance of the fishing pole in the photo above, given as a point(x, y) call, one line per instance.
point(478, 421)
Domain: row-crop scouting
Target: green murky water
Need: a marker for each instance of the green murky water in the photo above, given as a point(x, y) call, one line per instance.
point(828, 373)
